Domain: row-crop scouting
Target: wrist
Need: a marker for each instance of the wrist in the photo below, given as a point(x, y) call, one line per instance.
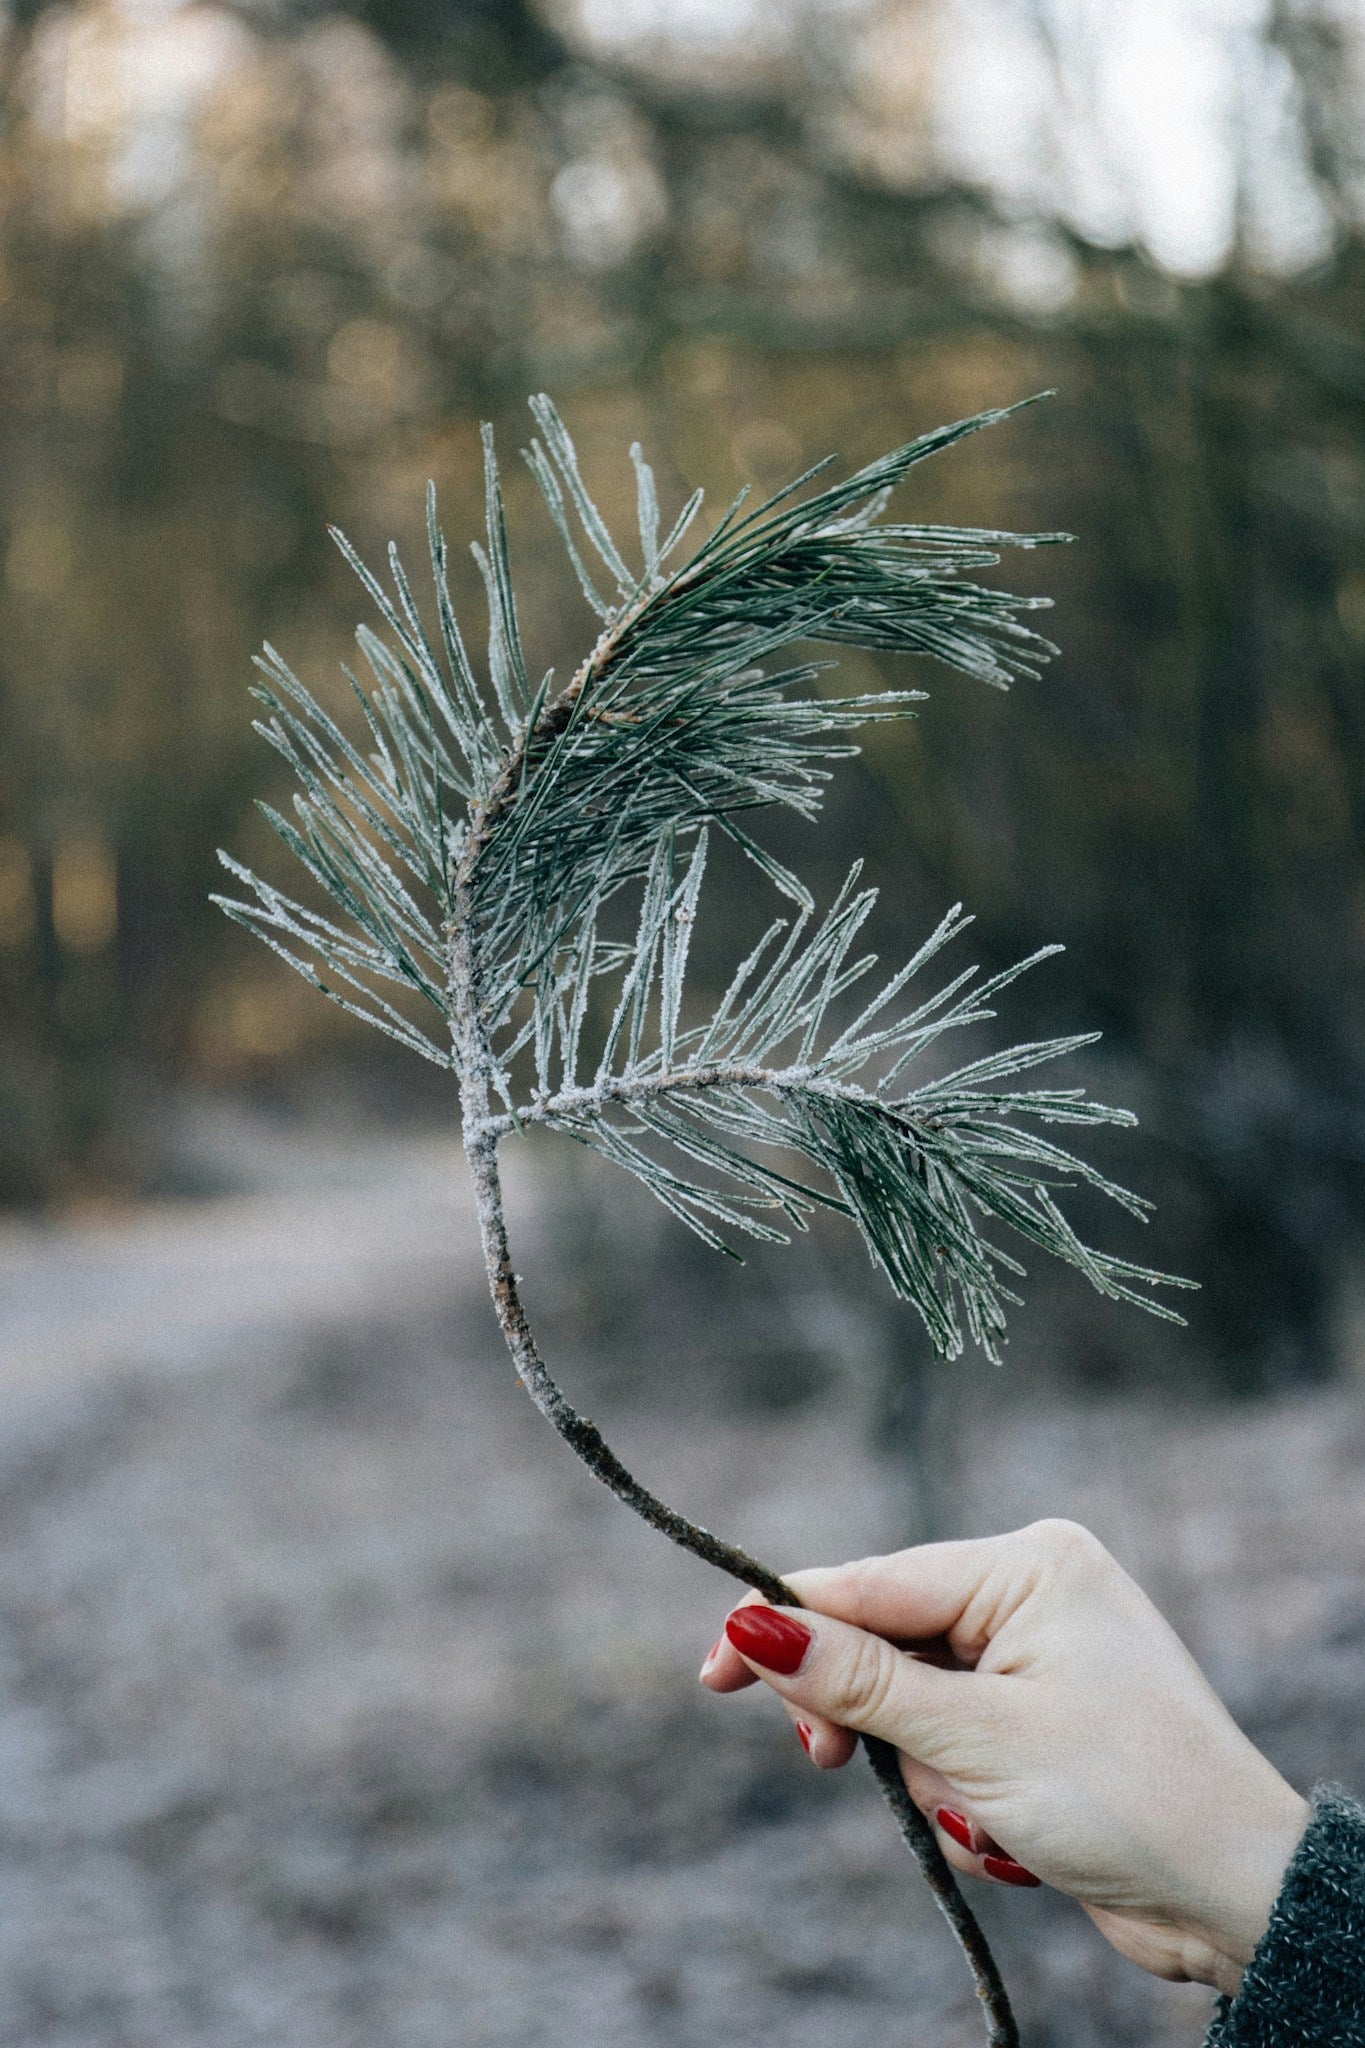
point(1243, 1884)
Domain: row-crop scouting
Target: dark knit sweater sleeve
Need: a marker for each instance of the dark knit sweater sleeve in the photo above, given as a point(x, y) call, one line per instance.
point(1305, 1985)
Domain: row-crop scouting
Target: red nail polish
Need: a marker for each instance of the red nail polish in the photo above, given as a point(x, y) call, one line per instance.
point(955, 1824)
point(803, 1735)
point(771, 1637)
point(1006, 1871)
point(709, 1659)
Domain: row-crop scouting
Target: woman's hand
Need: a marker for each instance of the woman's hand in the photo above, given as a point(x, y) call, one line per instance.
point(1050, 1722)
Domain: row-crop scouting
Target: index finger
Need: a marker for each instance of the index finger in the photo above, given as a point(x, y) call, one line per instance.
point(916, 1597)
point(959, 1592)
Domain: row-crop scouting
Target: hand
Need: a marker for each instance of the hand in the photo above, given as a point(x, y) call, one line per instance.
point(1050, 1722)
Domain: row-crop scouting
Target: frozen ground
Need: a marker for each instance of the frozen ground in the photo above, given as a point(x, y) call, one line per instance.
point(338, 1708)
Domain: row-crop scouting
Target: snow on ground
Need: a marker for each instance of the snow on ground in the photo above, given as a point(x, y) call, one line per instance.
point(338, 1707)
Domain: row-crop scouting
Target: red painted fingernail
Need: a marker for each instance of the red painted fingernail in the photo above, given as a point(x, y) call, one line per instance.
point(955, 1824)
point(803, 1735)
point(1007, 1871)
point(709, 1659)
point(772, 1638)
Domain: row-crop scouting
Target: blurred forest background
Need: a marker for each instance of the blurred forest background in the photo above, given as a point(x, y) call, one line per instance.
point(267, 265)
point(336, 1709)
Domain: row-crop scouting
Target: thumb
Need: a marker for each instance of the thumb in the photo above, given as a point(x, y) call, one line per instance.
point(854, 1679)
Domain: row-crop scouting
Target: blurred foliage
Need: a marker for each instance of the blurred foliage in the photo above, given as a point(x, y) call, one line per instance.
point(269, 265)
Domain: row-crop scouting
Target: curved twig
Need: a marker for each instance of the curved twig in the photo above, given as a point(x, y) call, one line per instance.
point(474, 1066)
point(1002, 2028)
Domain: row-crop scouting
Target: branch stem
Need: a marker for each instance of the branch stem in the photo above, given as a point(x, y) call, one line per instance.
point(612, 1090)
point(1002, 2029)
point(481, 1132)
point(551, 722)
point(583, 1437)
point(568, 1103)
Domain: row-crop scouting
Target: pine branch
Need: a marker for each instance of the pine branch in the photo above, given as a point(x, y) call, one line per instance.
point(478, 1075)
point(766, 1083)
point(673, 718)
point(481, 844)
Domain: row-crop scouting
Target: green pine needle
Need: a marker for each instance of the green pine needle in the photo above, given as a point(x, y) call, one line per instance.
point(531, 814)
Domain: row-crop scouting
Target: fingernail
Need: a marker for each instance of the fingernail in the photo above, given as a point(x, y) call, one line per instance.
point(1007, 1871)
point(772, 1638)
point(955, 1824)
point(803, 1735)
point(709, 1659)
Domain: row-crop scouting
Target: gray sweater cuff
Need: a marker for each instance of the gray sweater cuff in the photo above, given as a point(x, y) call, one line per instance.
point(1305, 1985)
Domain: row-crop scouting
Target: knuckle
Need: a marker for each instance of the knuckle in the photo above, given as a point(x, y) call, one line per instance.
point(1067, 1543)
point(867, 1681)
point(856, 1584)
point(844, 1590)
